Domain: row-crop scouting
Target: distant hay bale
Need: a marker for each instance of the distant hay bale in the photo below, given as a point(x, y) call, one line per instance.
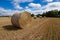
point(21, 20)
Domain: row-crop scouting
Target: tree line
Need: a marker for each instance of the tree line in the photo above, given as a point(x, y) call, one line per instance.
point(52, 13)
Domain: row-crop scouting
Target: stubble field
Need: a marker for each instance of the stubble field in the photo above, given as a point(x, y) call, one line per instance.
point(39, 29)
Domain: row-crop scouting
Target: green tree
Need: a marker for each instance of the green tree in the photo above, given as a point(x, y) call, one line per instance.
point(52, 13)
point(38, 15)
point(32, 15)
point(58, 13)
point(44, 14)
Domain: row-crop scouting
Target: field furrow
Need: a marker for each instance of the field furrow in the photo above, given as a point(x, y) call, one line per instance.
point(39, 29)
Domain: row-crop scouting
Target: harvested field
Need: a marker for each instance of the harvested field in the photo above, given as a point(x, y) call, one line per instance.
point(39, 29)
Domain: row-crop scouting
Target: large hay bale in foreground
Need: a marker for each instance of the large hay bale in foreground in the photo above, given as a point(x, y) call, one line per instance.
point(21, 20)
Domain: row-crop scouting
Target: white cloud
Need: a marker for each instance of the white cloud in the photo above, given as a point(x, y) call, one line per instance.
point(26, 7)
point(40, 9)
point(52, 6)
point(17, 6)
point(48, 7)
point(5, 12)
point(21, 1)
point(36, 6)
point(36, 12)
point(48, 0)
point(16, 3)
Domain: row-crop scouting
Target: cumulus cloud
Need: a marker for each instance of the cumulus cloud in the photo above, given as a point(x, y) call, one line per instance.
point(35, 6)
point(52, 6)
point(48, 0)
point(40, 9)
point(17, 6)
point(17, 2)
point(5, 12)
point(21, 1)
point(26, 7)
point(9, 12)
point(48, 7)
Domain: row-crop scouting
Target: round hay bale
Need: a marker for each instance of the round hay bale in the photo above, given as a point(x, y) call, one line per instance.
point(21, 20)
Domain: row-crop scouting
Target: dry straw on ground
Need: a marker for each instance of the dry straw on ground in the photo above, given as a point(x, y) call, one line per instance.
point(21, 20)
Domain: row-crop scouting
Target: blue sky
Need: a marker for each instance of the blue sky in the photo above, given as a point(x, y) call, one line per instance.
point(9, 7)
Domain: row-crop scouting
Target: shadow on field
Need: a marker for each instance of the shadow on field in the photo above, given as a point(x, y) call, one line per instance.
point(11, 27)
